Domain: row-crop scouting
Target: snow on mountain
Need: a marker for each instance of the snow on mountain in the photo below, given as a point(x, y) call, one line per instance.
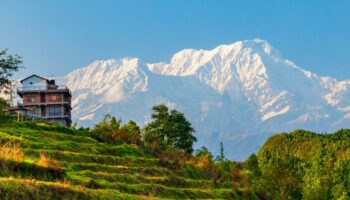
point(239, 94)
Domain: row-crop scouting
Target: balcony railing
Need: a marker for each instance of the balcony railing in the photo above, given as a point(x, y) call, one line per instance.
point(42, 88)
point(43, 103)
point(51, 115)
point(56, 116)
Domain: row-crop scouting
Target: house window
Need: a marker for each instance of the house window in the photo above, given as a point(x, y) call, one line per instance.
point(53, 98)
point(32, 99)
point(54, 111)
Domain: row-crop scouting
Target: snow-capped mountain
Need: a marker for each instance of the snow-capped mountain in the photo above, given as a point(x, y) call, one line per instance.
point(238, 94)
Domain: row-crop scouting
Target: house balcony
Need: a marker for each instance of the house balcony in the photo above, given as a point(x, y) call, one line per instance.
point(50, 116)
point(43, 89)
point(44, 103)
point(57, 116)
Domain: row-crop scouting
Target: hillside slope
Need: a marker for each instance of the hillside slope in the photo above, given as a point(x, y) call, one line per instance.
point(54, 162)
point(41, 161)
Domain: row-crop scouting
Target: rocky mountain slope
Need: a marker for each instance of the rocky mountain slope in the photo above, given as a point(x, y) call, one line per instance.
point(238, 94)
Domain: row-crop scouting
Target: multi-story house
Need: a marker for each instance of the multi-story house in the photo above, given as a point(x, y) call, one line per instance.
point(46, 100)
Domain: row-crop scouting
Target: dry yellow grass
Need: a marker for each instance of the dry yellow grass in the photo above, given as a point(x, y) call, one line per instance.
point(47, 162)
point(11, 150)
point(64, 182)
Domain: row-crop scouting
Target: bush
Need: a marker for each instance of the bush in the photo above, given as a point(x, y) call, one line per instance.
point(11, 151)
point(173, 159)
point(110, 130)
point(3, 116)
point(47, 162)
point(192, 172)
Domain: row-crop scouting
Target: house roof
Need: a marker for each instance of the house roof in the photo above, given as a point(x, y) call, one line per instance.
point(36, 76)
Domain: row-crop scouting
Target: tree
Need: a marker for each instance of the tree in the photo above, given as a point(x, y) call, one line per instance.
point(8, 65)
point(252, 164)
point(132, 127)
point(129, 133)
point(221, 157)
point(103, 131)
point(169, 129)
point(203, 151)
point(108, 122)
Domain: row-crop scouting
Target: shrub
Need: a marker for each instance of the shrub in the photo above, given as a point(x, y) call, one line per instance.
point(173, 159)
point(110, 130)
point(3, 116)
point(125, 134)
point(192, 172)
point(47, 162)
point(11, 151)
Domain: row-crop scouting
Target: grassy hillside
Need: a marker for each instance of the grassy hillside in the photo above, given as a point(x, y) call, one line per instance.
point(41, 161)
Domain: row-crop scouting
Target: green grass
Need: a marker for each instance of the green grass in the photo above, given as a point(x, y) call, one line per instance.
point(92, 170)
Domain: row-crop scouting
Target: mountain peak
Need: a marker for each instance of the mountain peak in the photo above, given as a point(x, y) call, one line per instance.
point(229, 93)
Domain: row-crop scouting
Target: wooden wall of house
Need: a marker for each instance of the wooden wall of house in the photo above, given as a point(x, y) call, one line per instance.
point(27, 98)
point(42, 98)
point(54, 97)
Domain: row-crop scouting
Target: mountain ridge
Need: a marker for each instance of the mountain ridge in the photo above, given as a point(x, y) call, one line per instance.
point(238, 93)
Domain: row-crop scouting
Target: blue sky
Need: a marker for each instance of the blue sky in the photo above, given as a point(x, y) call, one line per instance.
point(55, 37)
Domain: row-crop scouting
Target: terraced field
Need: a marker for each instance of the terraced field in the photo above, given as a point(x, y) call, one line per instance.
point(88, 169)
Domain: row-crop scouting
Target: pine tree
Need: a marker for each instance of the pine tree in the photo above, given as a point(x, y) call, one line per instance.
point(222, 153)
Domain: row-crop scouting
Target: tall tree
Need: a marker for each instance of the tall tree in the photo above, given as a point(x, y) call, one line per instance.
point(169, 129)
point(221, 157)
point(8, 65)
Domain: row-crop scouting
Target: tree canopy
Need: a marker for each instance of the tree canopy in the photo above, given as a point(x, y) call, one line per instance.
point(8, 65)
point(169, 129)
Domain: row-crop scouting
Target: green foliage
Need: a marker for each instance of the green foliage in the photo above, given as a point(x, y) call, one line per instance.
point(252, 164)
point(29, 170)
point(108, 123)
point(129, 133)
point(106, 163)
point(221, 156)
point(204, 151)
point(192, 172)
point(303, 165)
point(8, 65)
point(3, 116)
point(132, 127)
point(169, 129)
point(110, 130)
point(96, 170)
